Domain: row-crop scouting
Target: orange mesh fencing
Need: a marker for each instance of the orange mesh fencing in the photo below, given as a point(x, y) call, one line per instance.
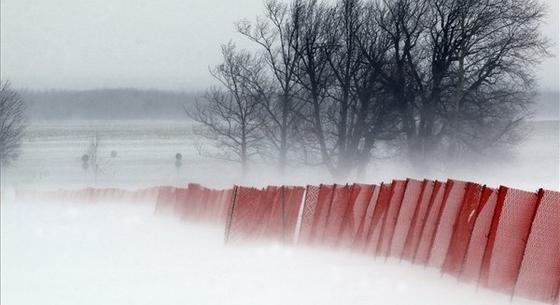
point(428, 230)
point(292, 199)
point(335, 216)
point(454, 193)
point(308, 214)
point(508, 240)
point(360, 196)
point(539, 276)
point(244, 214)
point(405, 215)
point(321, 215)
point(359, 242)
point(417, 222)
point(508, 236)
point(390, 220)
point(462, 230)
point(470, 270)
point(376, 223)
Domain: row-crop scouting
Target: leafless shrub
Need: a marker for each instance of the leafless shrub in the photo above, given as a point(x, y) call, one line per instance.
point(12, 122)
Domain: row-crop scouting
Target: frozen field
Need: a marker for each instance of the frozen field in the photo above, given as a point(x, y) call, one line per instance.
point(146, 154)
point(114, 254)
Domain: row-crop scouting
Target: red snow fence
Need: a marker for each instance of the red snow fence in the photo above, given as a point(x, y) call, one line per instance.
point(509, 232)
point(264, 214)
point(360, 197)
point(359, 241)
point(505, 239)
point(470, 270)
point(90, 195)
point(539, 274)
point(195, 203)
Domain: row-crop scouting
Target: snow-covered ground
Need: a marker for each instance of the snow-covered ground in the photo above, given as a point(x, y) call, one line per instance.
point(114, 254)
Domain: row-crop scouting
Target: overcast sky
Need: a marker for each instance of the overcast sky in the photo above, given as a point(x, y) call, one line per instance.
point(163, 44)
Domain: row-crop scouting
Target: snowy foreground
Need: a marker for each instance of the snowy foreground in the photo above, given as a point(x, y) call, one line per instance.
point(116, 253)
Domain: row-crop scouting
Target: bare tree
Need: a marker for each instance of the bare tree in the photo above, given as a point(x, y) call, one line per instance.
point(438, 77)
point(496, 48)
point(461, 71)
point(314, 77)
point(275, 34)
point(229, 116)
point(341, 57)
point(92, 159)
point(12, 122)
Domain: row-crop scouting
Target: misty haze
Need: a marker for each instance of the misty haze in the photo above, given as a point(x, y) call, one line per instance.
point(136, 96)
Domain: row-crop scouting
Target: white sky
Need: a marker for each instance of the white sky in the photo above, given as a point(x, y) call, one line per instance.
point(165, 44)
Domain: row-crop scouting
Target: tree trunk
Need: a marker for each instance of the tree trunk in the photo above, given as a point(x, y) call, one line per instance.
point(283, 151)
point(243, 156)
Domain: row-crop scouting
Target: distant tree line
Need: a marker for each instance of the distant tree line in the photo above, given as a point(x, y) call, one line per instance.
point(107, 104)
point(330, 82)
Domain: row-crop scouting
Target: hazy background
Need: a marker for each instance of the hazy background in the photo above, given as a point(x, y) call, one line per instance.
point(164, 44)
point(126, 69)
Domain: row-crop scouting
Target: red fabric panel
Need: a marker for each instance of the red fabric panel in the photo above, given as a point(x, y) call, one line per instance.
point(479, 236)
point(166, 198)
point(266, 216)
point(194, 203)
point(243, 220)
point(145, 195)
point(462, 230)
point(262, 214)
point(360, 196)
point(390, 220)
point(308, 214)
point(454, 194)
point(269, 218)
point(539, 276)
point(181, 199)
point(360, 239)
point(321, 213)
point(202, 204)
point(86, 194)
point(292, 198)
point(190, 209)
point(131, 196)
point(374, 231)
point(335, 215)
point(508, 236)
point(428, 230)
point(213, 205)
point(226, 203)
point(104, 194)
point(420, 213)
point(77, 195)
point(409, 203)
point(134, 196)
point(210, 204)
point(218, 207)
